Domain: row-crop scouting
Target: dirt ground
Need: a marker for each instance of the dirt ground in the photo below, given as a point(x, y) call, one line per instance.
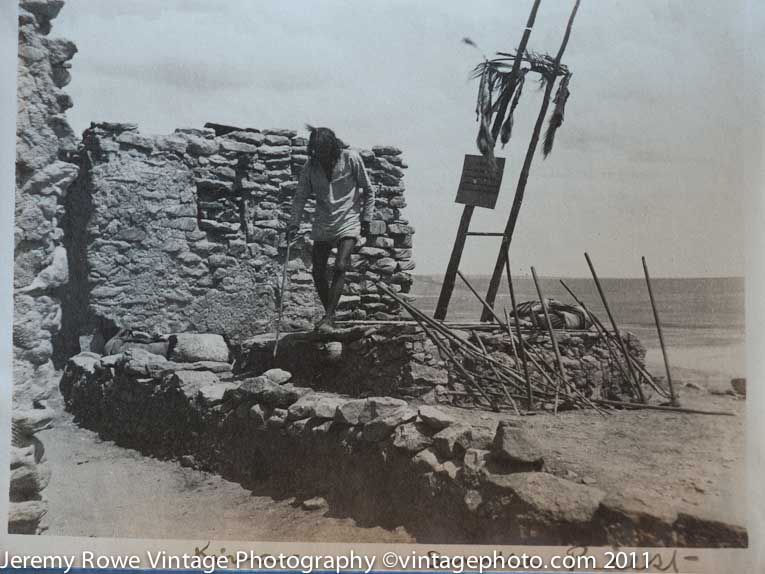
point(102, 490)
point(665, 461)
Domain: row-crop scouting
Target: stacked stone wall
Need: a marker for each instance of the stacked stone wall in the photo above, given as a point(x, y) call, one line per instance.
point(186, 232)
point(44, 142)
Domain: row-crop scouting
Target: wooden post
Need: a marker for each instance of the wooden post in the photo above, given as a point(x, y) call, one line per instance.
point(529, 393)
point(282, 295)
point(603, 332)
point(454, 263)
point(496, 276)
point(500, 117)
point(673, 398)
point(617, 334)
point(550, 330)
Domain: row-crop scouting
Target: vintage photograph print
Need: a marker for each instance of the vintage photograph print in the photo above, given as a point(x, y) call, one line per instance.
point(220, 331)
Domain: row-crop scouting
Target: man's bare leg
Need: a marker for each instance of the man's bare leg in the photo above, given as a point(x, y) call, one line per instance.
point(319, 256)
point(342, 263)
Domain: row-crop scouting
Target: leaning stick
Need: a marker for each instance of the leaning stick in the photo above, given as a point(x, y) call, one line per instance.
point(486, 306)
point(663, 408)
point(512, 339)
point(556, 350)
point(521, 344)
point(673, 398)
point(507, 327)
point(496, 374)
point(603, 332)
point(436, 325)
point(450, 355)
point(617, 334)
point(282, 295)
point(466, 345)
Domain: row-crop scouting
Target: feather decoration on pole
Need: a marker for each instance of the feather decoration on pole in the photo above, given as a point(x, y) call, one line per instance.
point(507, 126)
point(556, 119)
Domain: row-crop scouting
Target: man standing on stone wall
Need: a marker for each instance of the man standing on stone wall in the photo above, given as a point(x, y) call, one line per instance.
point(337, 180)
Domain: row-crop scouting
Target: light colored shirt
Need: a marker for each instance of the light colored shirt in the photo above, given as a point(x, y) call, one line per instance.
point(341, 204)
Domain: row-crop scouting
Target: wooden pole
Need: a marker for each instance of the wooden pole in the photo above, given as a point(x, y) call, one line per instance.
point(603, 332)
point(520, 189)
point(487, 308)
point(663, 408)
point(500, 117)
point(673, 398)
point(554, 340)
point(617, 334)
point(445, 331)
point(509, 332)
point(521, 344)
point(454, 263)
point(512, 339)
point(282, 296)
point(450, 355)
point(496, 374)
point(600, 328)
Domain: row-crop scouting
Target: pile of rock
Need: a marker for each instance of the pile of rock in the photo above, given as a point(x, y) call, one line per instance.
point(29, 474)
point(205, 242)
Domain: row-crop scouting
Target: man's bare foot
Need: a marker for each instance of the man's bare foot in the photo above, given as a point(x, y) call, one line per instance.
point(325, 325)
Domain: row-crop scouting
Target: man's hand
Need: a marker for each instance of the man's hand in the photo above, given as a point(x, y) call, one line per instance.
point(364, 228)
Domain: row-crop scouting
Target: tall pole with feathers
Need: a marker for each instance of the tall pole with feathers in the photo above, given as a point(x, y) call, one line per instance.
point(496, 117)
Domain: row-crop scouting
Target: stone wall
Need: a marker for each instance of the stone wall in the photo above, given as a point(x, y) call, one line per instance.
point(402, 361)
point(445, 474)
point(186, 232)
point(44, 142)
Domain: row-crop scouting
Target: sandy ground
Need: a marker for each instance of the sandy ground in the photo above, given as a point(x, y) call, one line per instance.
point(666, 461)
point(99, 489)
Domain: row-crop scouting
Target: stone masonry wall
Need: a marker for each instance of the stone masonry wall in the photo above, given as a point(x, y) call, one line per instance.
point(186, 232)
point(44, 142)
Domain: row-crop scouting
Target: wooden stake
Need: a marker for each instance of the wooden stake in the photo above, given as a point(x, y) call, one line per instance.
point(439, 327)
point(617, 334)
point(512, 339)
point(454, 262)
point(608, 338)
point(450, 355)
point(554, 340)
point(496, 374)
point(526, 169)
point(521, 344)
point(500, 117)
point(673, 398)
point(282, 296)
point(507, 327)
point(663, 408)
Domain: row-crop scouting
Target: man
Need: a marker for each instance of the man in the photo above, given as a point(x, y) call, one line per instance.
point(336, 179)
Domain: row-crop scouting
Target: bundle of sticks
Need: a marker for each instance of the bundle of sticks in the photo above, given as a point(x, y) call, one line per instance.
point(530, 380)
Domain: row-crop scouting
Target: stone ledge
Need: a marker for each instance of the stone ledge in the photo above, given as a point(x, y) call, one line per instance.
point(377, 459)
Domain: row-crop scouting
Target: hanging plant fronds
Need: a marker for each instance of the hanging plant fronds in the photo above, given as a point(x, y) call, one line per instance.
point(507, 126)
point(556, 119)
point(485, 141)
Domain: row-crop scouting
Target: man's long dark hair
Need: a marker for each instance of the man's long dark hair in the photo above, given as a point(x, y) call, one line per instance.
point(324, 147)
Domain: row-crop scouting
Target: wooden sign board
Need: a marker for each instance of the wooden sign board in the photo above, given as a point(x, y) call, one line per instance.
point(479, 184)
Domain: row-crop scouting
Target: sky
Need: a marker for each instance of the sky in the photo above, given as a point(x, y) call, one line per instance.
point(656, 157)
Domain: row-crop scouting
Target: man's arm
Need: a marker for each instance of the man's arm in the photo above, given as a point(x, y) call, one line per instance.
point(362, 180)
point(301, 195)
